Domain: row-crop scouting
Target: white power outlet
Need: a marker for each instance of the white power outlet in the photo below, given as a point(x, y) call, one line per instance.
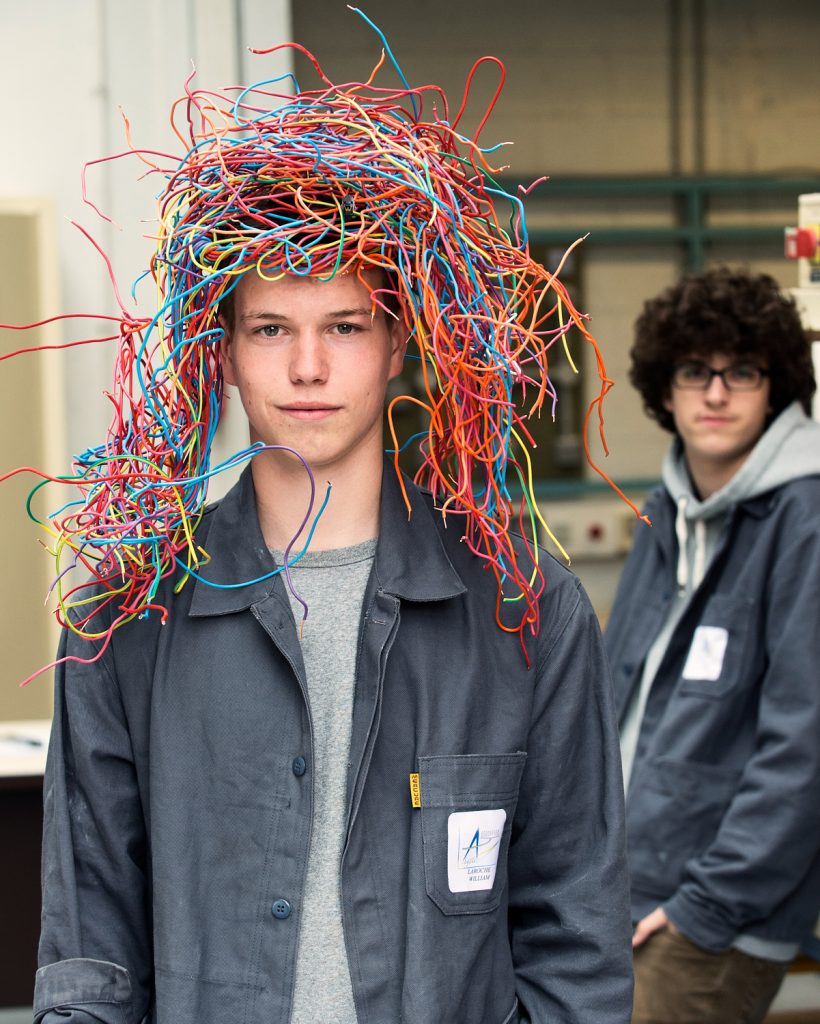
point(589, 529)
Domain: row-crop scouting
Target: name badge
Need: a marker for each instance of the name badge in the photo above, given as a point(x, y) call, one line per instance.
point(473, 843)
point(705, 658)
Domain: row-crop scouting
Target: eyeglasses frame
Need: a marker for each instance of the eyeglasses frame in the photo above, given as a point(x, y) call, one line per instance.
point(716, 373)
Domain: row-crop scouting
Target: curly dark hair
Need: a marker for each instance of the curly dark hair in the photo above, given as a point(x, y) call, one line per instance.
point(734, 313)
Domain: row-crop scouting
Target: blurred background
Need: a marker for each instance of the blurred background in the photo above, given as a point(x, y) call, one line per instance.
point(676, 133)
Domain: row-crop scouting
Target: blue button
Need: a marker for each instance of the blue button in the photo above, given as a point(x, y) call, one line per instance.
point(280, 909)
point(299, 766)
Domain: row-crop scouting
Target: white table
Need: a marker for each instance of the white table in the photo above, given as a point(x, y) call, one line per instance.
point(23, 747)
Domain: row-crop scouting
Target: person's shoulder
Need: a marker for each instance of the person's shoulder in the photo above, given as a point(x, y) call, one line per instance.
point(528, 555)
point(562, 595)
point(798, 498)
point(558, 587)
point(793, 510)
point(206, 516)
point(658, 495)
point(801, 488)
point(102, 590)
point(658, 503)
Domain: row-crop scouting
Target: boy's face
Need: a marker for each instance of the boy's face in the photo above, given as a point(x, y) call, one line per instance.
point(312, 363)
point(719, 427)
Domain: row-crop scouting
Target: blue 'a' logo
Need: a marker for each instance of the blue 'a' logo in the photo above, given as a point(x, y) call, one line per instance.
point(474, 844)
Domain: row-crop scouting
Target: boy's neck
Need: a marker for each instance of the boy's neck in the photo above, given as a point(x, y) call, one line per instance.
point(282, 492)
point(708, 477)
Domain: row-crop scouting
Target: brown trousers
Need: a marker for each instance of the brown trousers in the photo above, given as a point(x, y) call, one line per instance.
point(677, 982)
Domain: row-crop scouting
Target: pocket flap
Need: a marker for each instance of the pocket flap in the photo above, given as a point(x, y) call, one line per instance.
point(470, 780)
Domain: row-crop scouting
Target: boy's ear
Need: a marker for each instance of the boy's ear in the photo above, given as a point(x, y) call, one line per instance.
point(399, 336)
point(226, 353)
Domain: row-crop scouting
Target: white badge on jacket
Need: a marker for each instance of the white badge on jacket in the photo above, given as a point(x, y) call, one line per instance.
point(705, 658)
point(473, 843)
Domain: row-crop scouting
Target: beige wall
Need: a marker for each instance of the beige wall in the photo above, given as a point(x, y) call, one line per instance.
point(591, 86)
point(30, 421)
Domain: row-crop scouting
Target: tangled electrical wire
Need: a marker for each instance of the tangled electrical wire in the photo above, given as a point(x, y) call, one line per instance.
point(334, 180)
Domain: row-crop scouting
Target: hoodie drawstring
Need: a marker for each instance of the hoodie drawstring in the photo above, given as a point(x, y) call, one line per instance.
point(682, 535)
point(699, 559)
point(699, 563)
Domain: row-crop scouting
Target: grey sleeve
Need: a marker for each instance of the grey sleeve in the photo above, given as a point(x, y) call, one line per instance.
point(570, 926)
point(95, 944)
point(81, 992)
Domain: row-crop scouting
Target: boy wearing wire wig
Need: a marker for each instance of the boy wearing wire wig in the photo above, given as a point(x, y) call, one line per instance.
point(340, 747)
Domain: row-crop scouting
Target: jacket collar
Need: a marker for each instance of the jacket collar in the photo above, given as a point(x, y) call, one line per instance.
point(237, 553)
point(411, 562)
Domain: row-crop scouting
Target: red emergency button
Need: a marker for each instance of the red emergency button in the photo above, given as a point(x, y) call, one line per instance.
point(800, 243)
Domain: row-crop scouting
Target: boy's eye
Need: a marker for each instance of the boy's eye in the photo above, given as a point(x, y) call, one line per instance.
point(269, 330)
point(692, 372)
point(346, 328)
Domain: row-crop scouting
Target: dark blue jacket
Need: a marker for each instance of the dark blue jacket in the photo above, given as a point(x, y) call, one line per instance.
point(177, 825)
point(723, 808)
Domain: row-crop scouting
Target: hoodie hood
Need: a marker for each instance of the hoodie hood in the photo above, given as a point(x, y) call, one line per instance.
point(787, 450)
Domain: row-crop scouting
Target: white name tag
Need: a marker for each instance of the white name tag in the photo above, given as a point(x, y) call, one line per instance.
point(705, 658)
point(473, 842)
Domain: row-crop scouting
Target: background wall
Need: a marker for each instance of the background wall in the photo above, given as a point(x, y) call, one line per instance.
point(641, 88)
point(32, 395)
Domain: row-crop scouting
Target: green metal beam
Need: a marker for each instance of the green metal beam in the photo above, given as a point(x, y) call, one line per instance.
point(639, 235)
point(598, 185)
point(691, 230)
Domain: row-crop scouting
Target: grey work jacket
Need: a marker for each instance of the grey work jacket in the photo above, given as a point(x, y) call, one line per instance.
point(178, 800)
point(723, 809)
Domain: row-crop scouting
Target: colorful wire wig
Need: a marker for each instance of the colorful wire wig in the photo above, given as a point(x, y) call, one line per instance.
point(323, 182)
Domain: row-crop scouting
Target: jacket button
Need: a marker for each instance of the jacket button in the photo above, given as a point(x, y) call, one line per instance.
point(280, 909)
point(299, 766)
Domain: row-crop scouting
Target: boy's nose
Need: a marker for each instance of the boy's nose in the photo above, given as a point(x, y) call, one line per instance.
point(308, 361)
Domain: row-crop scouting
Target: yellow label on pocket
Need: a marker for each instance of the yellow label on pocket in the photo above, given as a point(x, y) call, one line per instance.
point(415, 789)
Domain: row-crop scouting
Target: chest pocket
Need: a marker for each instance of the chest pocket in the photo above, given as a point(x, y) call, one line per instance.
point(720, 647)
point(467, 807)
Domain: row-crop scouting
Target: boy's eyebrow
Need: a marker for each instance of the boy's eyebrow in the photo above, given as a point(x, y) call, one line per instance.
point(262, 314)
point(335, 314)
point(353, 311)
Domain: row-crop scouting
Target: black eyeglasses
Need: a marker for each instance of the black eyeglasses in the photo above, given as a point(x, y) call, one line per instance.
point(696, 376)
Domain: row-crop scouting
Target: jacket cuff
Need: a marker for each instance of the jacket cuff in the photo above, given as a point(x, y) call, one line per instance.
point(701, 923)
point(84, 991)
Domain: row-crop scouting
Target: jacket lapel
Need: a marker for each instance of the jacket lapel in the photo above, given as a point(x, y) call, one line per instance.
point(411, 562)
point(239, 569)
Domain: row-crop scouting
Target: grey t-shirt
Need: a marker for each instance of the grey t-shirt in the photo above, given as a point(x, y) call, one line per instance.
point(332, 583)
